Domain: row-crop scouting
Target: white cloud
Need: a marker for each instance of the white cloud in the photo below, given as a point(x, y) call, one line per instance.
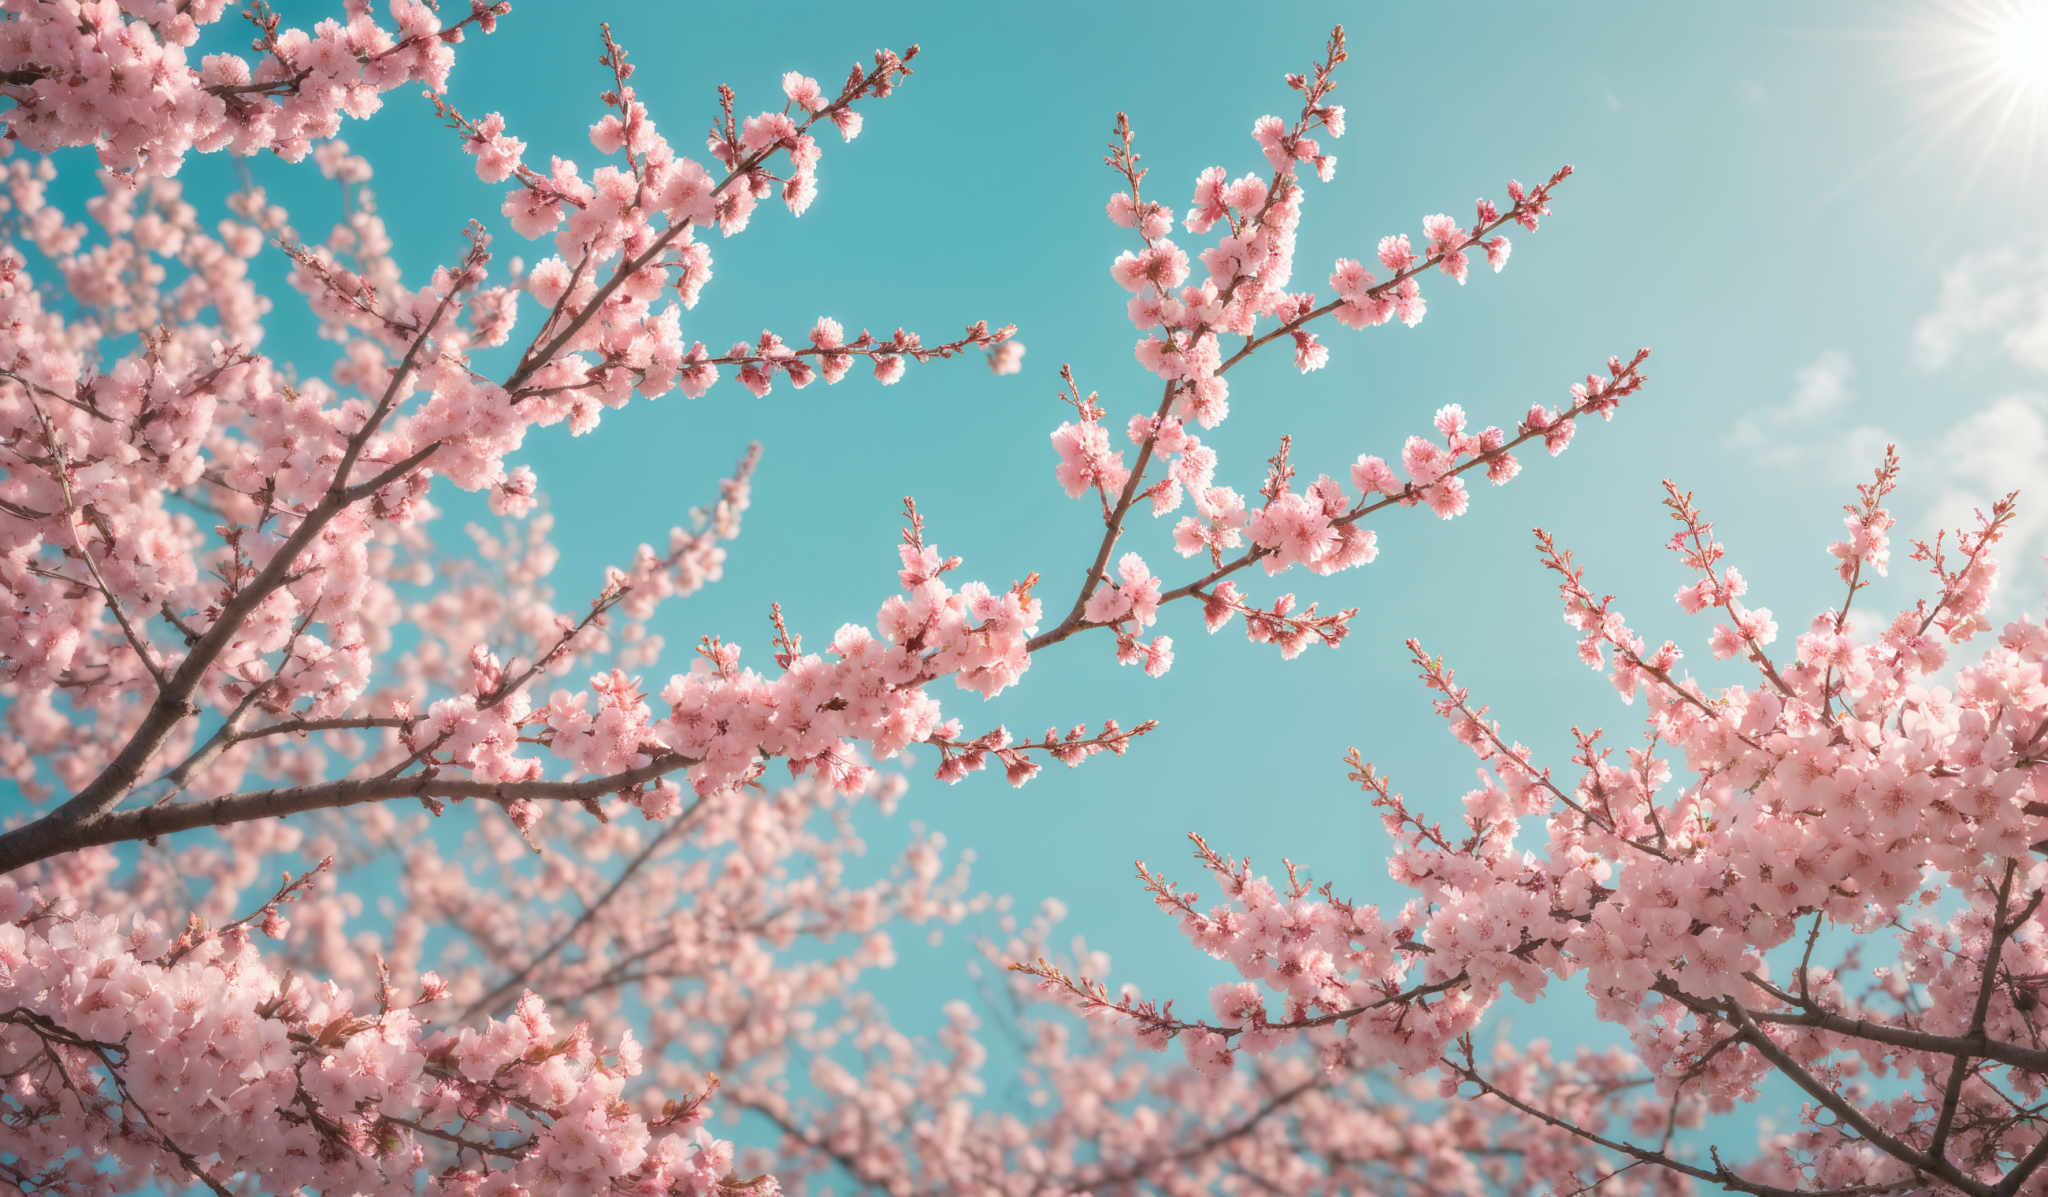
point(2000, 295)
point(2003, 445)
point(1797, 433)
point(1820, 387)
point(1988, 452)
point(2002, 448)
point(1992, 310)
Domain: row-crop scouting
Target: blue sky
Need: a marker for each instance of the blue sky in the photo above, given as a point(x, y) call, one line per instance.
point(1774, 207)
point(1773, 202)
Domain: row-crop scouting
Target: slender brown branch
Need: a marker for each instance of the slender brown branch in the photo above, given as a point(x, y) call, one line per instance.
point(1201, 1147)
point(1409, 494)
point(490, 1002)
point(1753, 1034)
point(1720, 1174)
point(227, 810)
point(1994, 949)
point(61, 466)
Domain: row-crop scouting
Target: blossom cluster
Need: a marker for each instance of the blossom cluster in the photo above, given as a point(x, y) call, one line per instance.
point(1099, 1113)
point(119, 77)
point(1860, 787)
point(157, 1054)
point(1242, 290)
point(284, 602)
point(210, 553)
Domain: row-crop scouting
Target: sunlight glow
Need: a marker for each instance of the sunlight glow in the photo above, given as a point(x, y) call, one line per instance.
point(2020, 47)
point(1978, 72)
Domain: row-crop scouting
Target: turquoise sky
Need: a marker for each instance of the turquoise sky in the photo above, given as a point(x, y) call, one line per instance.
point(1822, 248)
point(1769, 196)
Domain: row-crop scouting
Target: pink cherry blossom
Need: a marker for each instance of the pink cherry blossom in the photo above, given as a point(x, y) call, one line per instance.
point(1834, 873)
point(626, 879)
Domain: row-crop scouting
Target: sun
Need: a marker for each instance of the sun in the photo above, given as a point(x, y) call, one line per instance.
point(2019, 47)
point(1977, 73)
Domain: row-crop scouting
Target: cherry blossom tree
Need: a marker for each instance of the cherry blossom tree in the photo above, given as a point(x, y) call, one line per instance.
point(1827, 880)
point(604, 917)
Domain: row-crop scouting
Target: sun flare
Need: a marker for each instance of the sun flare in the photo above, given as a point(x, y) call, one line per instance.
point(2019, 47)
point(1977, 72)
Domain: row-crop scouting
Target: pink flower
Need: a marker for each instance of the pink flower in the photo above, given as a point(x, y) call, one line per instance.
point(1446, 243)
point(804, 92)
point(497, 155)
point(1209, 203)
point(1086, 459)
point(1208, 1052)
point(1161, 267)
